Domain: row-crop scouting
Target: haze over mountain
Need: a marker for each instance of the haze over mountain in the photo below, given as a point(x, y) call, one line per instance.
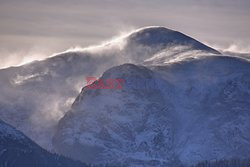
point(197, 109)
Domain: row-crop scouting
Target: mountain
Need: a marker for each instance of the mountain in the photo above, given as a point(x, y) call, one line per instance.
point(175, 114)
point(181, 103)
point(16, 150)
point(35, 96)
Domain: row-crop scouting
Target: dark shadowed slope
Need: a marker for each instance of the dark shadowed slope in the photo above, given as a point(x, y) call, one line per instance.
point(16, 150)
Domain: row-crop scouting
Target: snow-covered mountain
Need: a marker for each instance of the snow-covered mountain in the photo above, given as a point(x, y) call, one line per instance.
point(16, 150)
point(192, 110)
point(182, 102)
point(35, 96)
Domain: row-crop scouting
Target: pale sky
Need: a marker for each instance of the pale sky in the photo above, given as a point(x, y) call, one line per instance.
point(34, 29)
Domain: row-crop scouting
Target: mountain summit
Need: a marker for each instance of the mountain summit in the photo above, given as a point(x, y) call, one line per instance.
point(164, 37)
point(147, 43)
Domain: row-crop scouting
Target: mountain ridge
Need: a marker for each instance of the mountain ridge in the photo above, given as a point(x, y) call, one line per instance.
point(190, 117)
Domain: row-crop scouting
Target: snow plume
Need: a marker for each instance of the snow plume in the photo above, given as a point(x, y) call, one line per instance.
point(238, 48)
point(19, 58)
point(116, 42)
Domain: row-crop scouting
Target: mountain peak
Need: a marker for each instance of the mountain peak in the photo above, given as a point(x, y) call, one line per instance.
point(162, 36)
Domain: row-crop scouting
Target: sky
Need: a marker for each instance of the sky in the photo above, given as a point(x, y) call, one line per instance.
point(36, 29)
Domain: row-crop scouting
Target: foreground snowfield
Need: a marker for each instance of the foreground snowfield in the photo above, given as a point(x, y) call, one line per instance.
point(198, 111)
